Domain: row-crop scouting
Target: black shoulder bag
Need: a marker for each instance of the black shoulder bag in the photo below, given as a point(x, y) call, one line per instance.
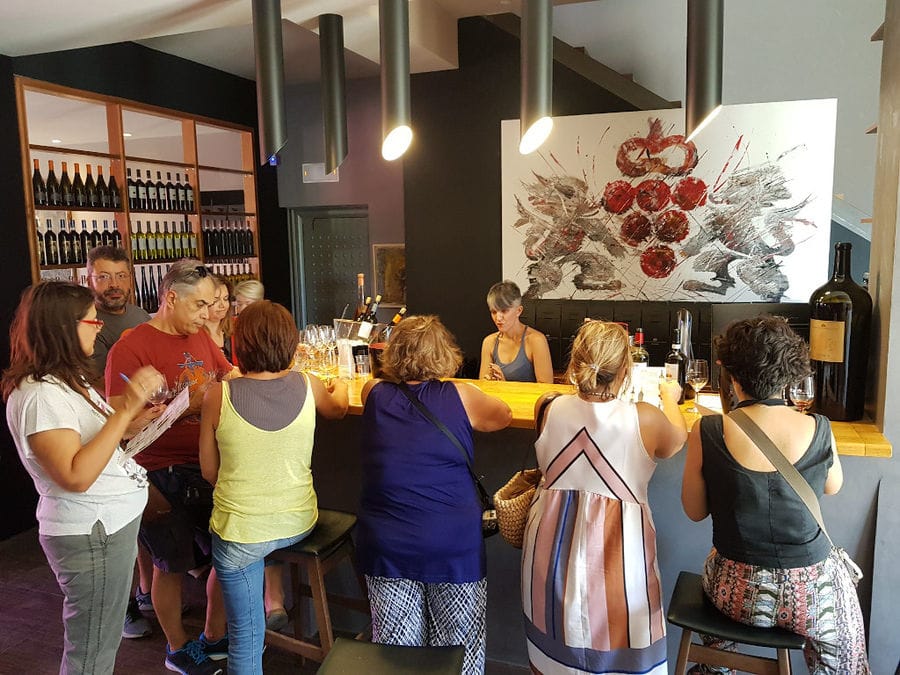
point(489, 525)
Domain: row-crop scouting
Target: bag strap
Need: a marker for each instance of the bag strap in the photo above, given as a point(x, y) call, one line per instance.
point(482, 493)
point(787, 470)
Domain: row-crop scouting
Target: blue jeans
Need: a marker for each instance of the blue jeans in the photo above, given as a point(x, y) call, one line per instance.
point(240, 571)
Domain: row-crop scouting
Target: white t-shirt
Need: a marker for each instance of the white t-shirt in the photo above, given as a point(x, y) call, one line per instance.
point(119, 494)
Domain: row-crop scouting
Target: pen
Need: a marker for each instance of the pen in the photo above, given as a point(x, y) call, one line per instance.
point(125, 378)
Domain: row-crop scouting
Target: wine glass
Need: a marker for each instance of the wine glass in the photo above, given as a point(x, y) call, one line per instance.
point(161, 393)
point(697, 376)
point(803, 393)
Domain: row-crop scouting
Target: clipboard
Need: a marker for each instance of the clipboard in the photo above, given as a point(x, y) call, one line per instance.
point(157, 427)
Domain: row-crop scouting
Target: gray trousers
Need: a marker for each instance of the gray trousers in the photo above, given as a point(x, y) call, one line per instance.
point(94, 574)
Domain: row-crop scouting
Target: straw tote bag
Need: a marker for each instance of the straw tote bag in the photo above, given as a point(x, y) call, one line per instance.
point(513, 500)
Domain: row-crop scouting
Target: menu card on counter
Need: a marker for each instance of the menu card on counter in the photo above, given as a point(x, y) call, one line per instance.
point(157, 427)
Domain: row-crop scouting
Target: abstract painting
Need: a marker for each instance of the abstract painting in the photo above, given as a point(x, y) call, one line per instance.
point(622, 207)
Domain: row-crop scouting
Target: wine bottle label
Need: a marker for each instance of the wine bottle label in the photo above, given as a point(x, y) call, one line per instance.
point(826, 340)
point(671, 371)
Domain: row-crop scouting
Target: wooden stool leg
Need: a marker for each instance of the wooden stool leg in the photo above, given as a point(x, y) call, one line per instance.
point(681, 663)
point(784, 662)
point(320, 603)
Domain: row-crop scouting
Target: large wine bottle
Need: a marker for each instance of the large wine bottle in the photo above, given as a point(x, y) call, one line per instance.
point(51, 244)
point(103, 198)
point(115, 199)
point(676, 364)
point(53, 196)
point(39, 187)
point(78, 188)
point(90, 189)
point(67, 195)
point(840, 314)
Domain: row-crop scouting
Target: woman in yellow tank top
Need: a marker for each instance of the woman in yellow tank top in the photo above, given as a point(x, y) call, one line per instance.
point(256, 439)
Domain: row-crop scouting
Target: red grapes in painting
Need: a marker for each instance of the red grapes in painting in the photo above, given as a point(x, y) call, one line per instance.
point(618, 196)
point(672, 225)
point(689, 193)
point(652, 195)
point(635, 228)
point(658, 262)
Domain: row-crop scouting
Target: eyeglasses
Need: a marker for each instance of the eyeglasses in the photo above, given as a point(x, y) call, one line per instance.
point(96, 323)
point(104, 278)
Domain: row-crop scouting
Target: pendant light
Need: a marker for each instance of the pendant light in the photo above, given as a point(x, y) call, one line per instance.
point(393, 25)
point(269, 79)
point(705, 31)
point(535, 121)
point(334, 97)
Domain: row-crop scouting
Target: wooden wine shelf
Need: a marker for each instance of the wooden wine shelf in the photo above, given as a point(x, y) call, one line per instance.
point(76, 209)
point(157, 162)
point(61, 150)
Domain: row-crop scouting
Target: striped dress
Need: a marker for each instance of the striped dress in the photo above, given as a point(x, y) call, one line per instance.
point(591, 589)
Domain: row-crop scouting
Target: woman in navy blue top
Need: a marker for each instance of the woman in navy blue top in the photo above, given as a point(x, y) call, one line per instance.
point(419, 533)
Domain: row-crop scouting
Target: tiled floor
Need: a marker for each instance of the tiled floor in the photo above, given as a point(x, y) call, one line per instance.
point(31, 626)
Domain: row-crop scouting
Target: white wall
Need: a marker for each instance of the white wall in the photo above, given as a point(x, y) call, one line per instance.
point(774, 51)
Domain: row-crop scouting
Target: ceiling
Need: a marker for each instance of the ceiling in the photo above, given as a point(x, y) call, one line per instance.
point(219, 33)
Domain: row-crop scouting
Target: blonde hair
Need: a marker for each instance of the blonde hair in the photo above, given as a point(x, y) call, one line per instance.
point(250, 289)
point(420, 348)
point(599, 352)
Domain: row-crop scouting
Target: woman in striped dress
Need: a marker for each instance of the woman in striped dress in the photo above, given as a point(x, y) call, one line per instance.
point(591, 590)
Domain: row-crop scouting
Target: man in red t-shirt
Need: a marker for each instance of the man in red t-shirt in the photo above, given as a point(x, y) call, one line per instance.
point(176, 528)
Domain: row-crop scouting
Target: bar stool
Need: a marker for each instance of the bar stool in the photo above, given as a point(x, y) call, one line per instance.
point(327, 545)
point(353, 656)
point(694, 613)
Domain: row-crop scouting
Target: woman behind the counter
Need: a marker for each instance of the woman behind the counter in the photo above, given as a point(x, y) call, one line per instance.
point(419, 535)
point(515, 352)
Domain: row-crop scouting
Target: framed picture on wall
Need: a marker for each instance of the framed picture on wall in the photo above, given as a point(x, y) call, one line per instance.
point(389, 262)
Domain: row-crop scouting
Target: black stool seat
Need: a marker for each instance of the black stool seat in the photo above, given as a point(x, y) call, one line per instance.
point(690, 608)
point(353, 656)
point(331, 529)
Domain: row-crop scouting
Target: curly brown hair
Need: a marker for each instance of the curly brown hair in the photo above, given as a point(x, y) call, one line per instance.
point(43, 337)
point(420, 348)
point(599, 353)
point(762, 354)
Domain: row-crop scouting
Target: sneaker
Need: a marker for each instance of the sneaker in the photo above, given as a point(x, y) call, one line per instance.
point(144, 603)
point(191, 660)
point(276, 619)
point(136, 626)
point(217, 650)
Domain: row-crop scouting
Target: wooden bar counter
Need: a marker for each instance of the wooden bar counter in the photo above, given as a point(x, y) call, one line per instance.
point(861, 439)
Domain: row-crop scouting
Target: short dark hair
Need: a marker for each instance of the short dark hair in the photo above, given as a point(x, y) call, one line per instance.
point(504, 295)
point(763, 355)
point(43, 337)
point(111, 253)
point(265, 338)
point(420, 348)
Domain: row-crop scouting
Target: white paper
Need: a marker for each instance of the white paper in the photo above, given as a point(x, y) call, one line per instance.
point(157, 427)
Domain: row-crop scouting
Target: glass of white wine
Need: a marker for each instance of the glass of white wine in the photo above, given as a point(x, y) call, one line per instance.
point(697, 376)
point(803, 393)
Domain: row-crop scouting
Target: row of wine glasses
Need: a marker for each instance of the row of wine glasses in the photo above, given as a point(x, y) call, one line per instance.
point(317, 352)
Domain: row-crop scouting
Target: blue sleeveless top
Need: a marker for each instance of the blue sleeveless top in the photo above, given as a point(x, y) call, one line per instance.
point(520, 369)
point(419, 516)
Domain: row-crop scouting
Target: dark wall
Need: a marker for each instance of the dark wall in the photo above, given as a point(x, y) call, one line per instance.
point(452, 174)
point(139, 74)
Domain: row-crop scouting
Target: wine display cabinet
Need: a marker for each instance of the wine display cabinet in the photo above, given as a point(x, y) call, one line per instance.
point(160, 184)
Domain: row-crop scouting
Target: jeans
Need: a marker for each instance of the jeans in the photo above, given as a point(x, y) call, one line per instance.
point(240, 571)
point(94, 574)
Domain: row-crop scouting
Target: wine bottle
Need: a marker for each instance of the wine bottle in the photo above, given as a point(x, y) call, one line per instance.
point(371, 314)
point(145, 292)
point(639, 357)
point(398, 317)
point(106, 235)
point(96, 238)
point(51, 244)
point(152, 251)
point(152, 194)
point(188, 194)
point(171, 193)
point(168, 248)
point(192, 239)
point(179, 190)
point(177, 250)
point(66, 256)
point(140, 243)
point(84, 238)
point(77, 253)
point(248, 239)
point(138, 297)
point(78, 188)
point(361, 302)
point(840, 315)
point(67, 196)
point(90, 189)
point(141, 192)
point(38, 186)
point(116, 235)
point(162, 194)
point(53, 196)
point(132, 190)
point(154, 294)
point(104, 201)
point(42, 249)
point(676, 364)
point(135, 250)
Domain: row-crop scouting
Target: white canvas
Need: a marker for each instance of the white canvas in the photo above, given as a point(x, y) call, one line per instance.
point(741, 214)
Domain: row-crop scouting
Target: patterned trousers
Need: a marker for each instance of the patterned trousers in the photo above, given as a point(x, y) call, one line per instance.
point(818, 602)
point(416, 614)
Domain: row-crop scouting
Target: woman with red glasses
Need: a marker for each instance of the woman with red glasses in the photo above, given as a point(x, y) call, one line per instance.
point(90, 495)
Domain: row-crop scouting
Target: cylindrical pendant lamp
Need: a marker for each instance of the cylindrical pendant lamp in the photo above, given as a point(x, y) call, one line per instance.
point(269, 79)
point(705, 32)
point(393, 24)
point(334, 97)
point(535, 118)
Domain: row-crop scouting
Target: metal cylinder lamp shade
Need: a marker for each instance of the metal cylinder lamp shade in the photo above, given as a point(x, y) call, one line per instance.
point(269, 79)
point(705, 32)
point(535, 118)
point(334, 96)
point(393, 23)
